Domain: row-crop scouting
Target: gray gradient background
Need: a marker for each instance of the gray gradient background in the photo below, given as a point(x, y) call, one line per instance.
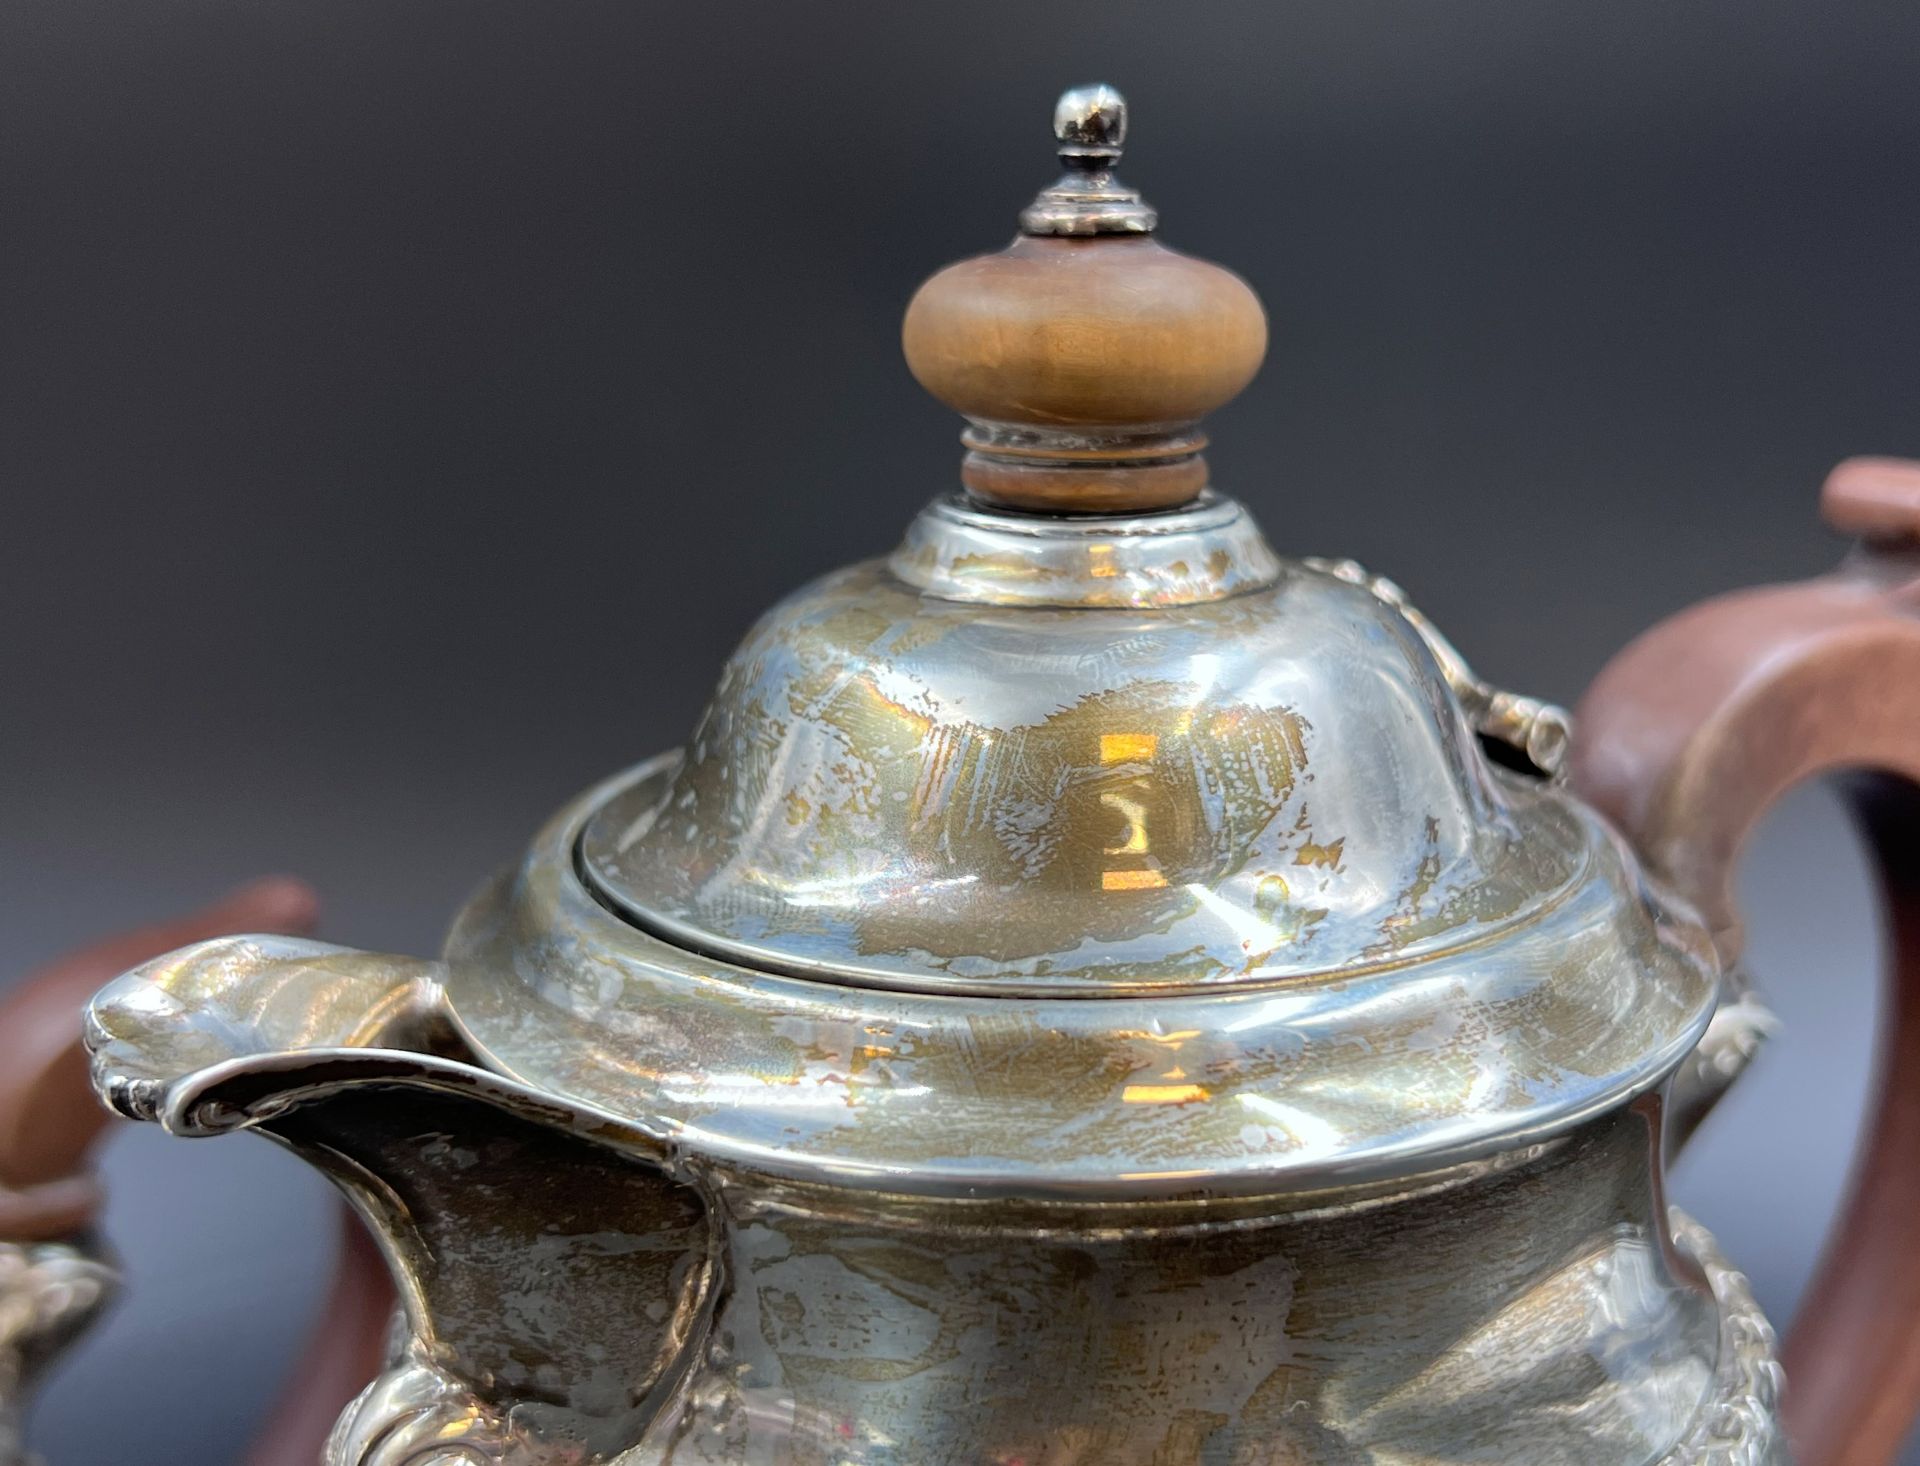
point(404, 406)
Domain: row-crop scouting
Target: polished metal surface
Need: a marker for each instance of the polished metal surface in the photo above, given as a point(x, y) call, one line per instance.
point(1397, 1212)
point(1740, 1423)
point(1301, 1086)
point(1090, 124)
point(583, 1287)
point(956, 551)
point(1031, 755)
point(1090, 991)
point(1384, 1192)
point(1536, 733)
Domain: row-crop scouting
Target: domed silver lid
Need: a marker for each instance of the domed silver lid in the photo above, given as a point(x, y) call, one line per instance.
point(1104, 752)
point(1084, 755)
point(1084, 845)
point(1091, 856)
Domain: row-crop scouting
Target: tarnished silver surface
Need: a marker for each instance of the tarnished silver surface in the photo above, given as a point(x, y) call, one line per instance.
point(970, 770)
point(1305, 1082)
point(911, 1136)
point(551, 1270)
point(1741, 1025)
point(730, 1411)
point(49, 1293)
point(1377, 1188)
point(1089, 992)
point(1536, 732)
point(582, 1287)
point(728, 1271)
point(956, 551)
point(1090, 124)
point(1740, 1423)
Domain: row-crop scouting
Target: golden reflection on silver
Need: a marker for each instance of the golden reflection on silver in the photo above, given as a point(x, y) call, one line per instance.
point(1390, 1211)
point(1082, 995)
point(865, 800)
point(1130, 805)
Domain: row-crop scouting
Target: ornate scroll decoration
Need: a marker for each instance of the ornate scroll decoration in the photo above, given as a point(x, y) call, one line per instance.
point(1740, 1424)
point(419, 1415)
point(1537, 733)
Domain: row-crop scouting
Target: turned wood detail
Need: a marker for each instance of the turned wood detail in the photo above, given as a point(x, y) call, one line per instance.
point(1085, 353)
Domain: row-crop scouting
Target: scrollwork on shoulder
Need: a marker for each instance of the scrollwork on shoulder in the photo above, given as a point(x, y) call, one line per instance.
point(419, 1415)
point(1739, 1425)
point(1537, 733)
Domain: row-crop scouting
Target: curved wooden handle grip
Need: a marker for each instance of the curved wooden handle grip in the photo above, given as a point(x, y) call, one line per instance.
point(50, 1119)
point(1685, 740)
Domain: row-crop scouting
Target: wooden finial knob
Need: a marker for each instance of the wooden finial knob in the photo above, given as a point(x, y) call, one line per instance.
point(1085, 353)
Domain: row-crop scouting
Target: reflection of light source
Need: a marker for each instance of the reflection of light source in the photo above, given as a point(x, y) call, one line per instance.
point(1136, 813)
point(1253, 931)
point(1163, 1094)
point(1127, 748)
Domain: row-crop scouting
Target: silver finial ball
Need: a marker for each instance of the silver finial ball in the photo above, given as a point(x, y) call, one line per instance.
point(1091, 123)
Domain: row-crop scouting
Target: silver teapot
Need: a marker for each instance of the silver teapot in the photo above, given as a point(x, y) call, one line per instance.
point(1090, 989)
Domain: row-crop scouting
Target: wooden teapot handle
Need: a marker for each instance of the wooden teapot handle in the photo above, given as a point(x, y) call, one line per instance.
point(1685, 740)
point(50, 1119)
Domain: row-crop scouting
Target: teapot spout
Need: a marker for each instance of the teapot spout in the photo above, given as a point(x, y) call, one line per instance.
point(552, 1271)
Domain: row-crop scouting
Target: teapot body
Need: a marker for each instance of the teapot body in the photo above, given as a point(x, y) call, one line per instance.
point(1089, 991)
point(1540, 1299)
point(728, 1284)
